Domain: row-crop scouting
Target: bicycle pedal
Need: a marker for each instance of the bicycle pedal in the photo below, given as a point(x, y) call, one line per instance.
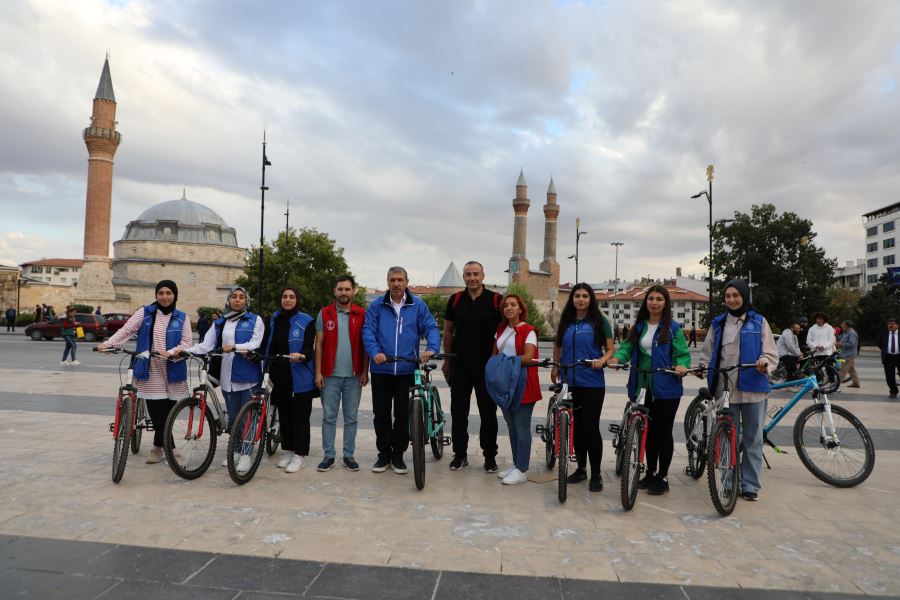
point(613, 428)
point(540, 429)
point(446, 440)
point(111, 427)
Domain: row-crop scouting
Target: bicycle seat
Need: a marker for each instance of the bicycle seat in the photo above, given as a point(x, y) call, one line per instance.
point(429, 366)
point(555, 387)
point(704, 393)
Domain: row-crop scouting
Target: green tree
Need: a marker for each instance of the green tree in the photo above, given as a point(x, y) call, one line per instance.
point(790, 273)
point(308, 260)
point(874, 309)
point(842, 304)
point(436, 304)
point(535, 318)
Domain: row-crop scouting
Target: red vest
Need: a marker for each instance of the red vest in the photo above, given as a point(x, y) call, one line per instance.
point(532, 383)
point(330, 338)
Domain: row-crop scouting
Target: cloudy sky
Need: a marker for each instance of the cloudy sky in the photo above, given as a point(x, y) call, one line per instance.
point(400, 127)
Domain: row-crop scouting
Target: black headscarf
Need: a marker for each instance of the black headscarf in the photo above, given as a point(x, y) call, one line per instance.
point(744, 290)
point(289, 313)
point(167, 283)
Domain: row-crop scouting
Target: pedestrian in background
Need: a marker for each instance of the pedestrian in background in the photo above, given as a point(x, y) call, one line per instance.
point(68, 333)
point(38, 313)
point(890, 355)
point(788, 346)
point(847, 344)
point(692, 340)
point(10, 319)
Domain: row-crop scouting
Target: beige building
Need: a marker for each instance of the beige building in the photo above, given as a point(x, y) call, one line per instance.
point(55, 271)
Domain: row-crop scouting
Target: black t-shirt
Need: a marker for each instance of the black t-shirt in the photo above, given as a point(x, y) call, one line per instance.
point(474, 326)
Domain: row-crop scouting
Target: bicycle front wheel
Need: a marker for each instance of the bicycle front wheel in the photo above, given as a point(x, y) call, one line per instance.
point(724, 465)
point(437, 424)
point(548, 437)
point(695, 434)
point(562, 466)
point(273, 438)
point(619, 441)
point(843, 457)
point(122, 439)
point(631, 462)
point(417, 435)
point(139, 419)
point(246, 442)
point(188, 451)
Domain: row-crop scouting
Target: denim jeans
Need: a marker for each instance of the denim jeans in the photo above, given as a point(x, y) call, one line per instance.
point(70, 346)
point(338, 392)
point(518, 422)
point(233, 403)
point(750, 419)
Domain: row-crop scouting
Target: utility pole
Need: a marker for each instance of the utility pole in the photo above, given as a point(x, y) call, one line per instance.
point(262, 220)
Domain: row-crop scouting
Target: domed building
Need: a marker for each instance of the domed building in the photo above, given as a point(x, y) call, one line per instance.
point(180, 240)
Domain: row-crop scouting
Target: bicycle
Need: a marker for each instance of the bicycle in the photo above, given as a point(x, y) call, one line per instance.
point(825, 367)
point(196, 423)
point(130, 416)
point(426, 417)
point(558, 430)
point(247, 439)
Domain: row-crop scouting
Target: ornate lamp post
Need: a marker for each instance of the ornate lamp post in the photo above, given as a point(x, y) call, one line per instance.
point(708, 194)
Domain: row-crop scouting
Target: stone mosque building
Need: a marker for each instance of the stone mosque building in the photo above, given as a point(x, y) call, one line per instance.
point(180, 240)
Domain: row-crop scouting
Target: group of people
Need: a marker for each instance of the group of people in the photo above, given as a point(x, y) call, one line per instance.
point(820, 339)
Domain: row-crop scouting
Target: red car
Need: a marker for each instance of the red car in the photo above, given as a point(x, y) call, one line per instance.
point(114, 321)
point(94, 328)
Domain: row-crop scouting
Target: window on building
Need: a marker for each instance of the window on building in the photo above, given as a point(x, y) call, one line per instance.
point(871, 278)
point(679, 315)
point(889, 226)
point(870, 231)
point(888, 260)
point(888, 243)
point(872, 263)
point(872, 247)
point(212, 236)
point(192, 279)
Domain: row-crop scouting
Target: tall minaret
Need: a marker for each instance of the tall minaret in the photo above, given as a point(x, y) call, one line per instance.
point(551, 211)
point(518, 263)
point(102, 140)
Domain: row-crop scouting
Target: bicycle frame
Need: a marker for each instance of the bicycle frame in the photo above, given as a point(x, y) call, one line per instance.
point(126, 391)
point(203, 393)
point(808, 384)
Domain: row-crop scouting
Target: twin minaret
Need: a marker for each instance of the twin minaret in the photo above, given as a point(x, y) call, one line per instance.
point(518, 262)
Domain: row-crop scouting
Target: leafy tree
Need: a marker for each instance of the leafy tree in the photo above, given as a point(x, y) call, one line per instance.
point(875, 308)
point(535, 317)
point(436, 304)
point(308, 260)
point(842, 304)
point(790, 273)
point(84, 308)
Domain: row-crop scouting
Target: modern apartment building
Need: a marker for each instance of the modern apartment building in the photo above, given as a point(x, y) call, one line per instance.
point(881, 237)
point(55, 271)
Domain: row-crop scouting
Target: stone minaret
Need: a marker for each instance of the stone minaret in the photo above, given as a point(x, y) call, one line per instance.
point(551, 211)
point(102, 140)
point(518, 263)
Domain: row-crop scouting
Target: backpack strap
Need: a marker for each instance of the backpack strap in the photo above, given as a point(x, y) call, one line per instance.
point(456, 298)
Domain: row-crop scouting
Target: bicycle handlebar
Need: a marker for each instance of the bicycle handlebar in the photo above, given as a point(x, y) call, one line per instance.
point(144, 354)
point(417, 361)
point(546, 362)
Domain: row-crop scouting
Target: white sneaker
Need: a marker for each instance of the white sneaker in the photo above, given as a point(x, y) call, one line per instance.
point(295, 465)
point(74, 363)
point(64, 363)
point(502, 474)
point(243, 464)
point(285, 459)
point(515, 477)
point(237, 457)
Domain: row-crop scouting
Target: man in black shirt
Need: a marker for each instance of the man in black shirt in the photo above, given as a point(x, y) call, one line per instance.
point(470, 323)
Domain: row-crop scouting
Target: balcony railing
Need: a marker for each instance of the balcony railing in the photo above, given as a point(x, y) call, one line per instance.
point(102, 132)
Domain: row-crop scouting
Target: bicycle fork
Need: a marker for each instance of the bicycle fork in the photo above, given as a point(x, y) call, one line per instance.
point(114, 426)
point(570, 442)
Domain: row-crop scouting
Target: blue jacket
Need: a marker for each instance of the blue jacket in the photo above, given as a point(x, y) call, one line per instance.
point(175, 371)
point(579, 343)
point(504, 378)
point(385, 332)
point(303, 376)
point(664, 385)
point(750, 340)
point(242, 370)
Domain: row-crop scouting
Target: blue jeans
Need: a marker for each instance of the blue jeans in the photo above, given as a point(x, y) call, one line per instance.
point(70, 346)
point(750, 419)
point(340, 391)
point(518, 422)
point(233, 403)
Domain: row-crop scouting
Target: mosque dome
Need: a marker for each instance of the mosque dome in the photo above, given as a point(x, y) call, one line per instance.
point(181, 220)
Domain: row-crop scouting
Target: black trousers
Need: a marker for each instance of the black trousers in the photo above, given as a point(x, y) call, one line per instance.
point(588, 403)
point(790, 366)
point(159, 412)
point(391, 391)
point(293, 415)
point(465, 380)
point(660, 444)
point(891, 367)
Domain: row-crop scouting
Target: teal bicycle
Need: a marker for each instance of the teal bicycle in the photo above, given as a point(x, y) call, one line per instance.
point(426, 417)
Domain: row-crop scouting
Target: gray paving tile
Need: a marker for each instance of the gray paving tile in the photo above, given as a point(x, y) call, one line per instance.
point(16, 583)
point(475, 586)
point(265, 596)
point(257, 574)
point(41, 554)
point(154, 590)
point(135, 563)
point(363, 583)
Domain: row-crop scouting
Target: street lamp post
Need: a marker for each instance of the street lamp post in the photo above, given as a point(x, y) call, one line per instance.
point(262, 219)
point(708, 194)
point(616, 282)
point(578, 234)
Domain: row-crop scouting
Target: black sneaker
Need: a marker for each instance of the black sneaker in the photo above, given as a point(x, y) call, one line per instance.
point(577, 477)
point(350, 464)
point(490, 464)
point(750, 496)
point(459, 461)
point(326, 464)
point(381, 464)
point(398, 466)
point(645, 483)
point(658, 487)
point(596, 483)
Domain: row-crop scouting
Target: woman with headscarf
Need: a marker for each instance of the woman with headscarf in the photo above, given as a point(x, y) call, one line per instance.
point(741, 335)
point(293, 332)
point(160, 381)
point(237, 332)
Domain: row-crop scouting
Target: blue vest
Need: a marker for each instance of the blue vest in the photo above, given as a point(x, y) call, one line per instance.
point(175, 371)
point(579, 343)
point(750, 341)
point(663, 385)
point(303, 375)
point(242, 370)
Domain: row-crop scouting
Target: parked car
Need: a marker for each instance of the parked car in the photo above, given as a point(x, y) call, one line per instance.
point(94, 328)
point(115, 321)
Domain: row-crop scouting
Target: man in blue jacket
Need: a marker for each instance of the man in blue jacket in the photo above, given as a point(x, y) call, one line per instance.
point(394, 325)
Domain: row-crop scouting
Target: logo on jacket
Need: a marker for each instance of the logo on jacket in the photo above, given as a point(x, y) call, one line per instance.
point(245, 325)
point(329, 325)
point(296, 333)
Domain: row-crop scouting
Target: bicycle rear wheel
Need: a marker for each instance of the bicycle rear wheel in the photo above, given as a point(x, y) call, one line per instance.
point(723, 473)
point(122, 439)
point(273, 438)
point(631, 462)
point(562, 466)
point(417, 439)
point(247, 440)
point(437, 424)
point(695, 433)
point(188, 452)
point(548, 437)
point(843, 459)
point(139, 419)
